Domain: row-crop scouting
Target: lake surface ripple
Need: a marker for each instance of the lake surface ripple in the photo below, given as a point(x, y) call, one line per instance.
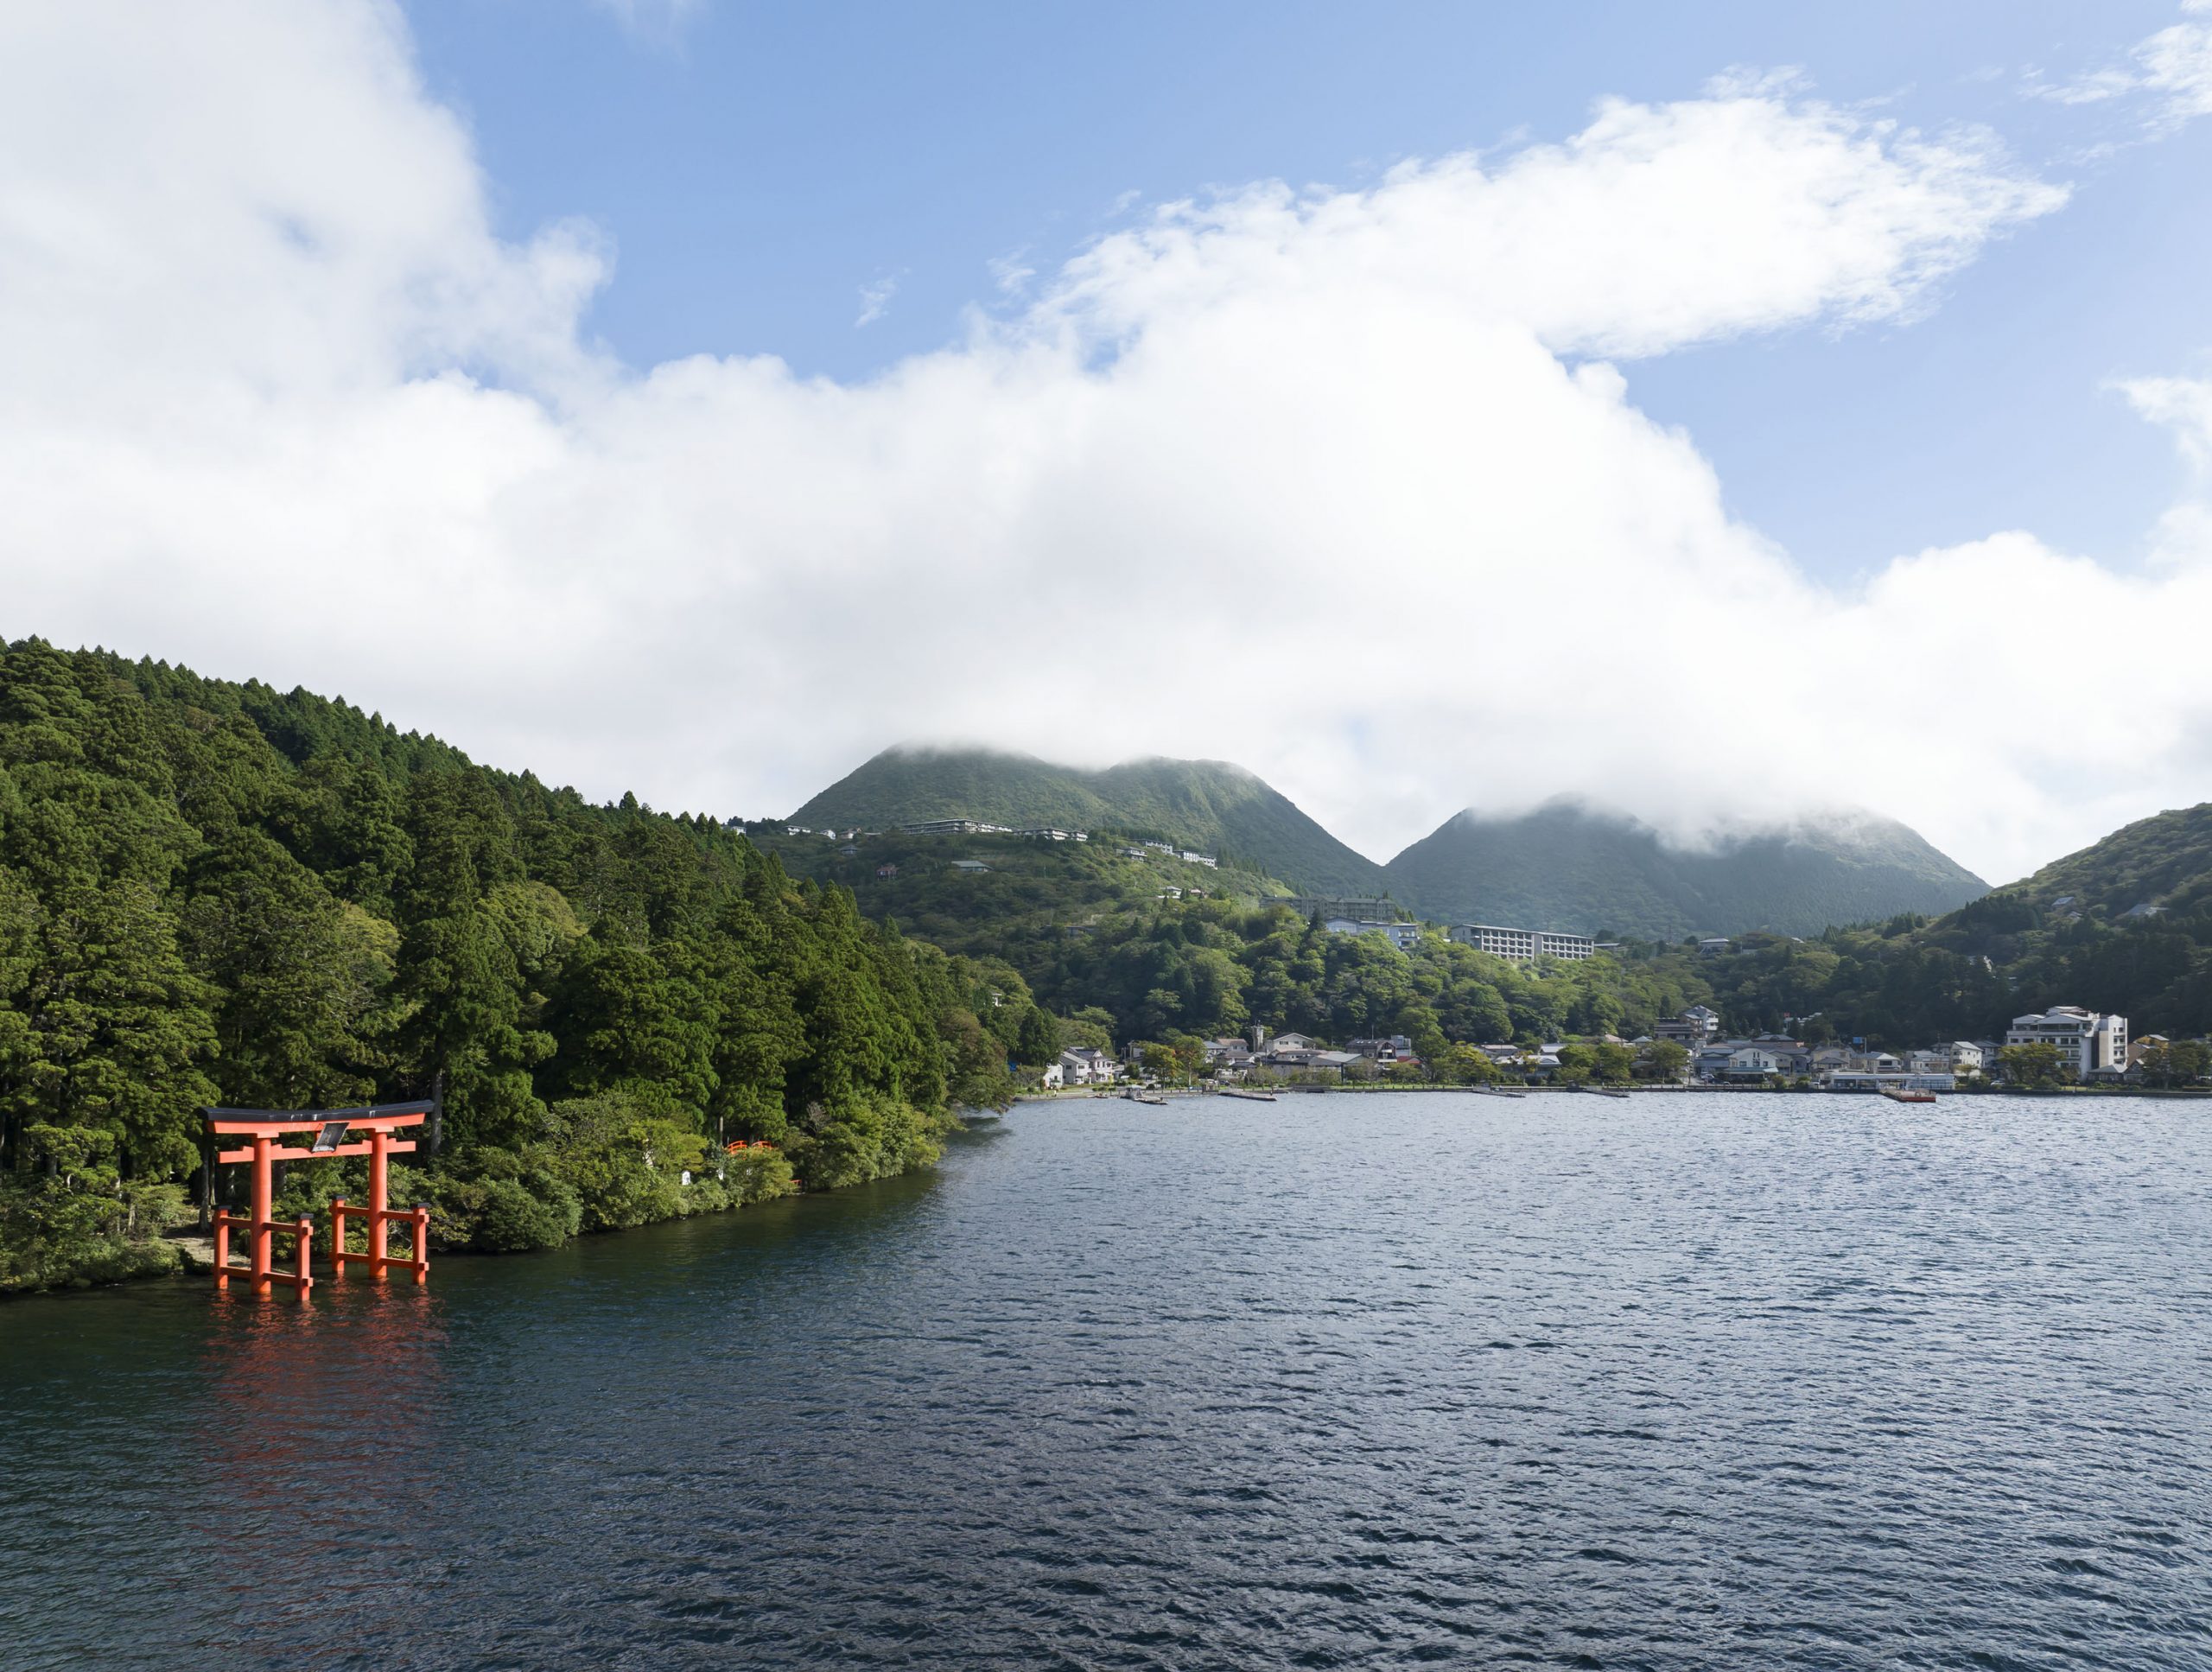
point(1338, 1382)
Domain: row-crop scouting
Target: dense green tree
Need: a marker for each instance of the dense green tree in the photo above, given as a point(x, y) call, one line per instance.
point(212, 892)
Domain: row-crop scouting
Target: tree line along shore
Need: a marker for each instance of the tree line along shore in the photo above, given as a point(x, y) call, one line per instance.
point(218, 893)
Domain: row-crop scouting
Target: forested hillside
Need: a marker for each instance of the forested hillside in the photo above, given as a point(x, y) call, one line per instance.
point(1209, 805)
point(1092, 933)
point(212, 893)
point(2123, 926)
point(1568, 867)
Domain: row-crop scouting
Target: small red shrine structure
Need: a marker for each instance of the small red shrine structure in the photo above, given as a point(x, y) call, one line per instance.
point(329, 1132)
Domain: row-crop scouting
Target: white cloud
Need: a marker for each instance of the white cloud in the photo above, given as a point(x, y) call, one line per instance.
point(1327, 482)
point(875, 300)
point(652, 20)
point(2169, 74)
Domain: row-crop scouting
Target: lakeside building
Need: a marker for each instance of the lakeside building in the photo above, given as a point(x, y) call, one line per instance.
point(1523, 945)
point(1851, 1081)
point(1085, 1065)
point(2089, 1043)
point(1397, 1047)
point(1206, 860)
point(970, 867)
point(1403, 936)
point(1046, 835)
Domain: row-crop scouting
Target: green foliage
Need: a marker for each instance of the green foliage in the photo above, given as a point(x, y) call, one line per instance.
point(72, 1217)
point(2034, 1066)
point(218, 893)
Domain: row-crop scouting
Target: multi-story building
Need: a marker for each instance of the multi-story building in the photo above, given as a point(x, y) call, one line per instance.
point(953, 827)
point(1694, 1029)
point(1522, 945)
point(2088, 1043)
point(1399, 935)
point(1325, 906)
point(1086, 1065)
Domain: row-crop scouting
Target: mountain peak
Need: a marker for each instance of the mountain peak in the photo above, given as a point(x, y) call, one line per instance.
point(1216, 806)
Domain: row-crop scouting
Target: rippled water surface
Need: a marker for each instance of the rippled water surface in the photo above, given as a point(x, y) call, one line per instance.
point(1362, 1382)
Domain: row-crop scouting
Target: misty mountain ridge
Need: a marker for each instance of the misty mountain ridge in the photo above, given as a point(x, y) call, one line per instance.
point(1569, 864)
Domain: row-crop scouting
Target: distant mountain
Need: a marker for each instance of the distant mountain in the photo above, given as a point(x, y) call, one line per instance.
point(1209, 805)
point(1566, 865)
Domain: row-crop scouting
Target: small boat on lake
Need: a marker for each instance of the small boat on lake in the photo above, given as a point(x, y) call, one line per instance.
point(1248, 1097)
point(1899, 1094)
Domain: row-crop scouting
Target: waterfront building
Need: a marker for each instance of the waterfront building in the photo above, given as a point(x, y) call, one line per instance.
point(1085, 1065)
point(1394, 1048)
point(2089, 1043)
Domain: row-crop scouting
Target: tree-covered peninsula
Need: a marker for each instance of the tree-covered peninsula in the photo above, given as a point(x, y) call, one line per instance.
point(222, 893)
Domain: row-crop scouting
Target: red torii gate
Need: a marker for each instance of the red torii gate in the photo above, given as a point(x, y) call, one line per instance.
point(329, 1129)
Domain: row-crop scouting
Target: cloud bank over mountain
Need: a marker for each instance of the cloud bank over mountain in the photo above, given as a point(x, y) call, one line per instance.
point(1347, 485)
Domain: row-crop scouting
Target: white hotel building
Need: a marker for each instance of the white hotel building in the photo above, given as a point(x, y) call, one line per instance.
point(2088, 1043)
point(1523, 945)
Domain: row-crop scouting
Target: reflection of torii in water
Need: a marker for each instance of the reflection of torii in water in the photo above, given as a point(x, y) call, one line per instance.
point(329, 1129)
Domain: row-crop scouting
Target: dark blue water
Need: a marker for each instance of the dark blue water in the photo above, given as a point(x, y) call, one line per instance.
point(1358, 1382)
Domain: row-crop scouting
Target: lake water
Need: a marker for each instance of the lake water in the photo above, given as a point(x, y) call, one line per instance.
point(1751, 1381)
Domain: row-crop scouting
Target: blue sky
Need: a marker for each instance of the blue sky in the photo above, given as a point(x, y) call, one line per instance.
point(759, 167)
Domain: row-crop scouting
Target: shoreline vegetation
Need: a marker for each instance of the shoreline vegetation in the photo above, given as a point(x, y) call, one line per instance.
point(218, 893)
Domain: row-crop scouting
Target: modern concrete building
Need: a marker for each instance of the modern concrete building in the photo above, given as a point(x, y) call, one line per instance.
point(2087, 1042)
point(1522, 945)
point(1399, 935)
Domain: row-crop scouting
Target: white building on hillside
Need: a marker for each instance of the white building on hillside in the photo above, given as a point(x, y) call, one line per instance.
point(1399, 935)
point(1522, 945)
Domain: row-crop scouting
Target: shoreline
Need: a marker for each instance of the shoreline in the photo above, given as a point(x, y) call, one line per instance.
point(2187, 1094)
